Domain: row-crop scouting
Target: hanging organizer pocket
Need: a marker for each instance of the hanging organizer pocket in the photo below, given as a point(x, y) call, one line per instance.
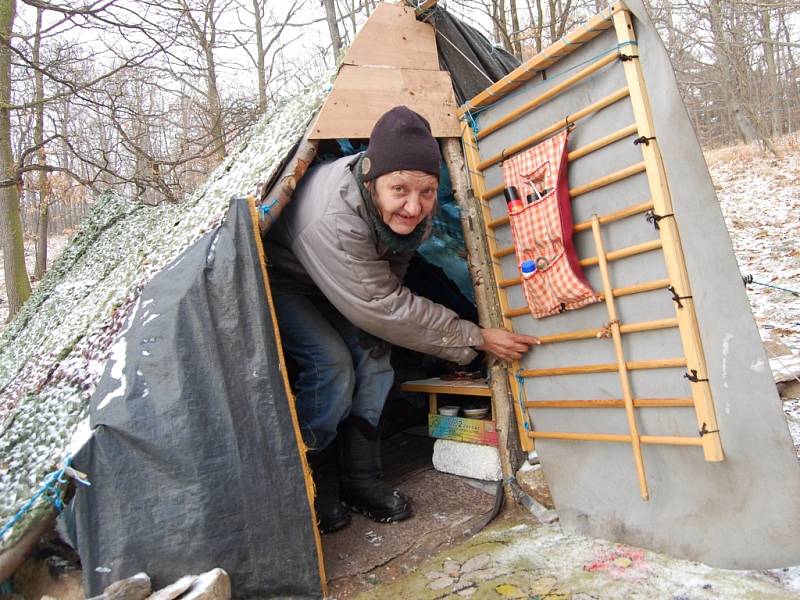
point(542, 230)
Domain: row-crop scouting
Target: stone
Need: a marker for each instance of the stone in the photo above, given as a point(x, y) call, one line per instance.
point(137, 587)
point(440, 584)
point(174, 590)
point(476, 563)
point(467, 460)
point(451, 568)
point(214, 585)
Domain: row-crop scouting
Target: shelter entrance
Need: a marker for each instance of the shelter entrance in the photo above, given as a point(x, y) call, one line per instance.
point(431, 399)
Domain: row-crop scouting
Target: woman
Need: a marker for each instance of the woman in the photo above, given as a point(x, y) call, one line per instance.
point(338, 256)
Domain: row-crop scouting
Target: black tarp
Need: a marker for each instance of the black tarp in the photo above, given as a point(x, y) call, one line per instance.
point(468, 56)
point(194, 462)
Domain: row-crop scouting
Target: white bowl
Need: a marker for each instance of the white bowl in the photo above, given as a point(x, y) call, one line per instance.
point(449, 411)
point(476, 413)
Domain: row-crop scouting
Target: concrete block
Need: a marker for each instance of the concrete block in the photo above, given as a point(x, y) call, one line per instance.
point(467, 460)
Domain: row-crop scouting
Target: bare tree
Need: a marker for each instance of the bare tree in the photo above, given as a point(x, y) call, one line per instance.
point(333, 28)
point(18, 284)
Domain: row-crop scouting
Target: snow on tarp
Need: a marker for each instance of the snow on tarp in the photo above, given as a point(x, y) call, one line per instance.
point(52, 355)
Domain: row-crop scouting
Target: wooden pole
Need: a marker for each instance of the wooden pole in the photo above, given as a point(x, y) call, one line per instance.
point(489, 303)
point(620, 438)
point(639, 288)
point(673, 250)
point(533, 66)
point(589, 187)
point(554, 128)
point(612, 403)
point(631, 365)
point(548, 95)
point(598, 144)
point(630, 211)
point(616, 336)
point(593, 260)
point(585, 334)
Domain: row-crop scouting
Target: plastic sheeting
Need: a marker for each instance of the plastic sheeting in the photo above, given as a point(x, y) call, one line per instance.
point(194, 462)
point(474, 64)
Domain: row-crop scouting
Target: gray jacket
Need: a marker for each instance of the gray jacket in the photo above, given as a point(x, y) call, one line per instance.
point(324, 242)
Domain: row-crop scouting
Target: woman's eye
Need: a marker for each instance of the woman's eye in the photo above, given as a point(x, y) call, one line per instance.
point(398, 189)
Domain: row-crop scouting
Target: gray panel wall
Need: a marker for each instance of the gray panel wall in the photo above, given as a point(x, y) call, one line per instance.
point(739, 513)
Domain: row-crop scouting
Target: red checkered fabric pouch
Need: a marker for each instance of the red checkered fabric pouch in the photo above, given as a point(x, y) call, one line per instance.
point(542, 230)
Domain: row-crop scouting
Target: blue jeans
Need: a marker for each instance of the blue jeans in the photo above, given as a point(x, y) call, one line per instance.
point(338, 375)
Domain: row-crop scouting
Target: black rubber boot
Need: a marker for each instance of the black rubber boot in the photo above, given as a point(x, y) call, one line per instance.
point(331, 513)
point(361, 486)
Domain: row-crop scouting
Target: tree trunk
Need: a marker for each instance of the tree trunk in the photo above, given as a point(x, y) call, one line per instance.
point(517, 43)
point(773, 85)
point(258, 11)
point(38, 138)
point(18, 286)
point(333, 28)
point(214, 105)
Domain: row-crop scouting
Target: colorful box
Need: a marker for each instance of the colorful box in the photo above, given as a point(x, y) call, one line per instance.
point(473, 431)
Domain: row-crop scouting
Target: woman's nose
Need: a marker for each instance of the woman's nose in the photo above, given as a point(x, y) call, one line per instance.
point(413, 205)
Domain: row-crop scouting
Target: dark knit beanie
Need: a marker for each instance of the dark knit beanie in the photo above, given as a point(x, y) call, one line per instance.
point(401, 141)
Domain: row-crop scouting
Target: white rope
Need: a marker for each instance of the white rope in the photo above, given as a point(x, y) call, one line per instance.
point(477, 68)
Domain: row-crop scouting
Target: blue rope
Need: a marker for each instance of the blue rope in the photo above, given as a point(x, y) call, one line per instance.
point(473, 123)
point(52, 490)
point(265, 208)
point(521, 399)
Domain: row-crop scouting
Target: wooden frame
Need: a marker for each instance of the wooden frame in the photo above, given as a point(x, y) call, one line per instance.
point(668, 242)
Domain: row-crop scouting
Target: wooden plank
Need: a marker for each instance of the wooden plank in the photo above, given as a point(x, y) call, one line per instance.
point(478, 186)
point(604, 141)
point(612, 403)
point(536, 64)
point(607, 180)
point(671, 440)
point(301, 446)
point(476, 387)
point(631, 365)
point(616, 336)
point(392, 37)
point(548, 95)
point(595, 332)
point(362, 94)
point(554, 128)
point(673, 250)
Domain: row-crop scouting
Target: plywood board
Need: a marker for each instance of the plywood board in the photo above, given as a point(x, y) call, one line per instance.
point(740, 512)
point(393, 37)
point(362, 94)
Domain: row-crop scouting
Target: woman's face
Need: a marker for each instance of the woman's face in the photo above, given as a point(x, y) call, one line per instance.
point(405, 198)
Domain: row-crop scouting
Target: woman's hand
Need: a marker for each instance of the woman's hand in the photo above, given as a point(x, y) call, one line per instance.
point(506, 345)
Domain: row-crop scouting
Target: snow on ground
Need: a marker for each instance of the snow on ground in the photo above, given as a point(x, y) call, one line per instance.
point(760, 198)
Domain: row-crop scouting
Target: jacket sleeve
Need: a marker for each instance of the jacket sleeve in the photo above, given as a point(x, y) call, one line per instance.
point(340, 256)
